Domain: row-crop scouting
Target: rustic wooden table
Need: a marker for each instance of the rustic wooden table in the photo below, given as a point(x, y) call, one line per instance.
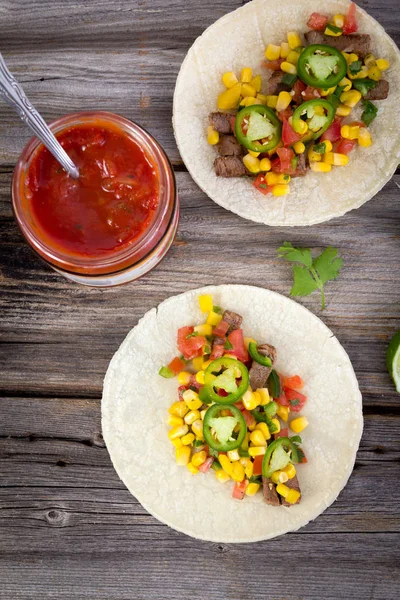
point(68, 527)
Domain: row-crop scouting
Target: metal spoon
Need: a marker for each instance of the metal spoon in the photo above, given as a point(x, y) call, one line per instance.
point(14, 95)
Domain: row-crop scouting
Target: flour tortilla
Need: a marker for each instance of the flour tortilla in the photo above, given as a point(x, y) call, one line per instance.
point(136, 401)
point(239, 39)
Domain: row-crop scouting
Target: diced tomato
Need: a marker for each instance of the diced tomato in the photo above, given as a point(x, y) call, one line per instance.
point(239, 489)
point(332, 134)
point(190, 347)
point(239, 405)
point(183, 332)
point(317, 22)
point(206, 464)
point(176, 365)
point(221, 329)
point(261, 184)
point(295, 382)
point(289, 136)
point(345, 146)
point(298, 87)
point(292, 396)
point(282, 433)
point(181, 389)
point(350, 23)
point(285, 156)
point(285, 114)
point(248, 417)
point(217, 351)
point(310, 93)
point(282, 400)
point(257, 465)
point(274, 65)
point(193, 383)
point(239, 349)
point(304, 457)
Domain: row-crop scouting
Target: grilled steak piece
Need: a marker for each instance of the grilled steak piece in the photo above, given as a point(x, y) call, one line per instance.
point(359, 43)
point(275, 85)
point(229, 146)
point(302, 166)
point(293, 484)
point(258, 373)
point(269, 491)
point(233, 319)
point(229, 166)
point(221, 122)
point(218, 341)
point(379, 92)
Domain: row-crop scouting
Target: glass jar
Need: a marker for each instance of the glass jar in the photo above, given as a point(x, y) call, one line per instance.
point(122, 265)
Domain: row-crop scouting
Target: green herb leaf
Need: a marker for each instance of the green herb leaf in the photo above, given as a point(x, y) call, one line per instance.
point(228, 345)
point(295, 439)
point(289, 79)
point(303, 282)
point(320, 148)
point(369, 113)
point(190, 335)
point(300, 454)
point(364, 85)
point(294, 402)
point(301, 255)
point(255, 479)
point(211, 451)
point(334, 100)
point(263, 186)
point(333, 28)
point(198, 444)
point(166, 373)
point(244, 453)
point(338, 91)
point(218, 310)
point(328, 265)
point(355, 67)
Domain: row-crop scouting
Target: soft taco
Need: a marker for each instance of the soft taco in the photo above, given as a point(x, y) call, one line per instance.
point(232, 413)
point(285, 115)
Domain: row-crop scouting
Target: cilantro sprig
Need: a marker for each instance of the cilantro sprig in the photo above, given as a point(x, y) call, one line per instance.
point(311, 274)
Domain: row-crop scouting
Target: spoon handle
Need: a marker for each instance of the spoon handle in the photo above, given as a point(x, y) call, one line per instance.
point(14, 95)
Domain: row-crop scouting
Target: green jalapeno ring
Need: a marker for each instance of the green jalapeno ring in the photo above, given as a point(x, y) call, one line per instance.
point(330, 113)
point(328, 82)
point(287, 445)
point(264, 111)
point(209, 438)
point(208, 391)
point(259, 358)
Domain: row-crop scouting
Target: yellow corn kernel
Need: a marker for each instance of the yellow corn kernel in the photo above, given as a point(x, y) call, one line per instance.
point(229, 79)
point(191, 399)
point(249, 340)
point(374, 73)
point(191, 417)
point(194, 470)
point(248, 470)
point(318, 110)
point(246, 75)
point(338, 20)
point(280, 190)
point(297, 425)
point(250, 400)
point(255, 154)
point(200, 377)
point(282, 178)
point(293, 57)
point(347, 56)
point(184, 377)
point(290, 470)
point(248, 101)
point(350, 98)
point(204, 329)
point(328, 145)
point(282, 489)
point(327, 92)
point(222, 476)
point(187, 439)
point(257, 450)
point(346, 83)
point(206, 364)
point(343, 110)
point(320, 167)
point(213, 318)
point(175, 421)
point(285, 49)
point(225, 464)
point(283, 101)
point(197, 428)
point(199, 458)
point(300, 126)
point(350, 132)
point(272, 178)
point(272, 101)
point(370, 60)
point(264, 395)
point(251, 163)
point(329, 31)
point(263, 427)
point(206, 303)
point(212, 136)
point(293, 39)
point(256, 83)
point(328, 158)
point(229, 98)
point(261, 99)
point(283, 412)
point(265, 164)
point(203, 414)
point(233, 455)
point(197, 363)
point(362, 74)
point(237, 471)
point(340, 160)
point(350, 58)
point(179, 409)
point(279, 477)
point(182, 456)
point(178, 431)
point(292, 496)
point(257, 438)
point(287, 67)
point(272, 52)
point(382, 64)
point(177, 443)
point(252, 489)
point(364, 137)
point(277, 425)
point(299, 147)
point(248, 90)
point(314, 156)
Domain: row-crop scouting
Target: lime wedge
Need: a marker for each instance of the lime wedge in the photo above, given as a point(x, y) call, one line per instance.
point(393, 359)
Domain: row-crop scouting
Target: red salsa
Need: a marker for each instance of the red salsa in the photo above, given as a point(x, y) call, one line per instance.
point(108, 207)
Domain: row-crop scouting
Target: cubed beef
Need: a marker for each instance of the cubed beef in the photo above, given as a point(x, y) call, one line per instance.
point(292, 484)
point(218, 341)
point(359, 43)
point(275, 85)
point(233, 319)
point(221, 122)
point(229, 146)
point(269, 491)
point(380, 91)
point(258, 373)
point(229, 166)
point(302, 166)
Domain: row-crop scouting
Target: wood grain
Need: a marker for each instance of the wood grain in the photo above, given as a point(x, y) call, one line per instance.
point(68, 527)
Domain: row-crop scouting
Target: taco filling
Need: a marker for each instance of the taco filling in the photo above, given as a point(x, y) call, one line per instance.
point(304, 120)
point(234, 410)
